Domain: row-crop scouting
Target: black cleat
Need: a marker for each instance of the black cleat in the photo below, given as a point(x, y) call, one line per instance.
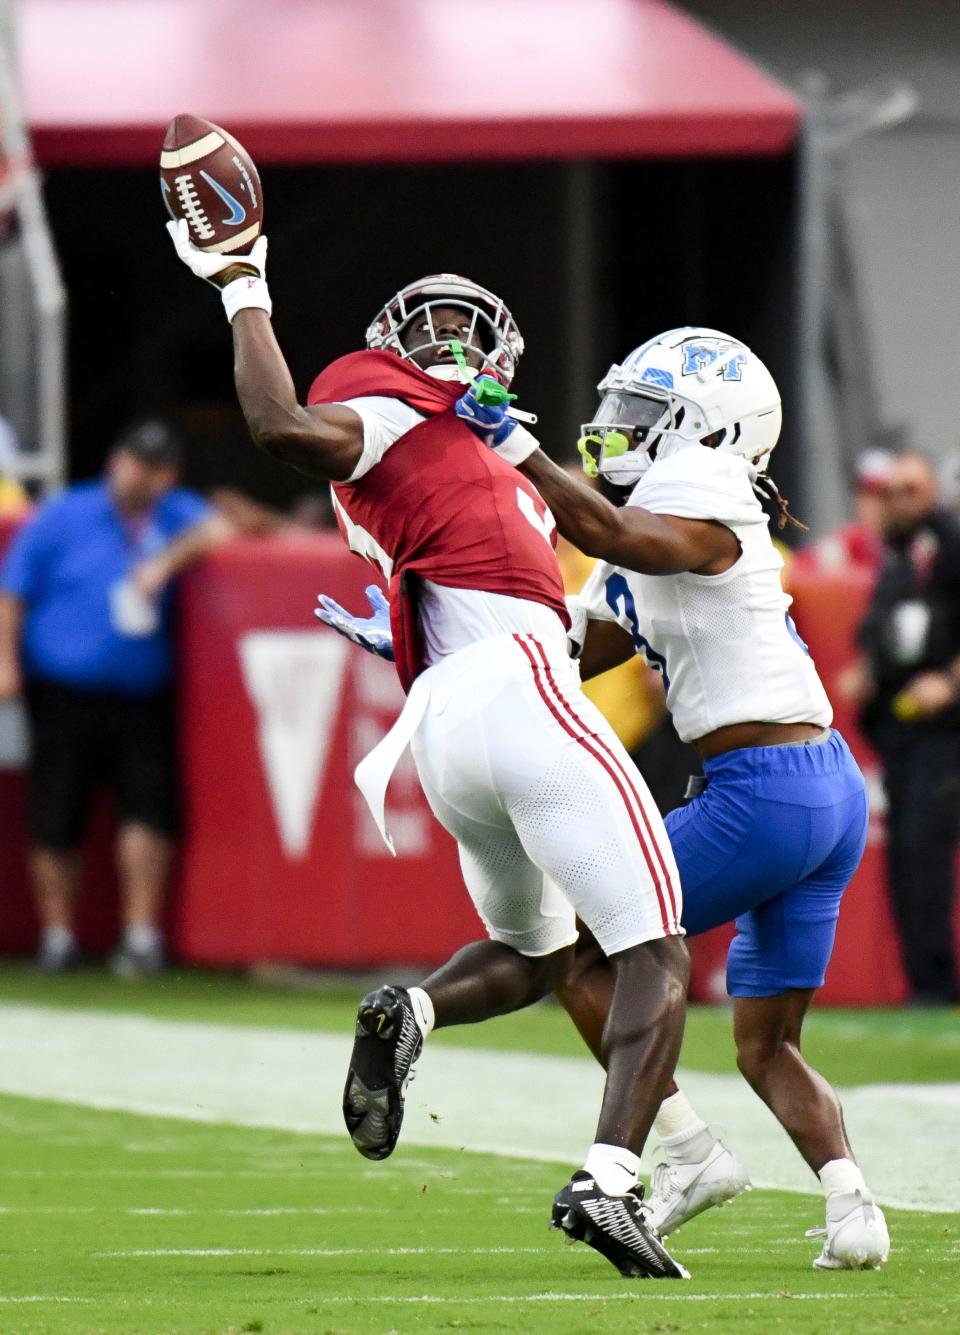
point(614, 1226)
point(388, 1043)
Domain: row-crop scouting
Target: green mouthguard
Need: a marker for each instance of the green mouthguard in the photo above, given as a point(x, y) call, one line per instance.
point(612, 446)
point(456, 347)
point(589, 463)
point(489, 393)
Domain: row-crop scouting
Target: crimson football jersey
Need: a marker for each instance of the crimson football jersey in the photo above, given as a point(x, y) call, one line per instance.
point(439, 505)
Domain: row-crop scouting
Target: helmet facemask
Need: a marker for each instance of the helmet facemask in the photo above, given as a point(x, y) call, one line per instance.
point(625, 437)
point(492, 334)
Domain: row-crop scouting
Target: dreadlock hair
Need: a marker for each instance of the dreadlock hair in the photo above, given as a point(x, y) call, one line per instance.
point(766, 489)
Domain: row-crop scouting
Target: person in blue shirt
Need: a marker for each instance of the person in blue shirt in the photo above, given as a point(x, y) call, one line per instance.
point(86, 635)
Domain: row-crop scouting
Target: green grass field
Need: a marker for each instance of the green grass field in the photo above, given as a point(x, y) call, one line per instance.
point(114, 1222)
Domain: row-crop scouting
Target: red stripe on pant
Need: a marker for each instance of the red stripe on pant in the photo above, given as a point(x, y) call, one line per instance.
point(592, 750)
point(667, 880)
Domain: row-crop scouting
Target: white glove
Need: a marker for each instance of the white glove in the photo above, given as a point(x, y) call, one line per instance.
point(248, 289)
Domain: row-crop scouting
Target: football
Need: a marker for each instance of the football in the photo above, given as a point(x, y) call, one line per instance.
point(209, 179)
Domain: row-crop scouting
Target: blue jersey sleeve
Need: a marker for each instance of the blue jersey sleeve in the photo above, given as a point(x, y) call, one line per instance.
point(29, 552)
point(180, 510)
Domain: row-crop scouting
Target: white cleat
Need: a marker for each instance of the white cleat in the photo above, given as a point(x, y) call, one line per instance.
point(856, 1233)
point(680, 1191)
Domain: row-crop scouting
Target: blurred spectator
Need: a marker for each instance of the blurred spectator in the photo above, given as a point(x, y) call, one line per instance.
point(247, 517)
point(13, 499)
point(86, 633)
point(8, 184)
point(950, 479)
point(311, 513)
point(861, 541)
point(907, 684)
point(314, 511)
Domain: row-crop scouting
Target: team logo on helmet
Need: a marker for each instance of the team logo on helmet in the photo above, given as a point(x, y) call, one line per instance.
point(698, 357)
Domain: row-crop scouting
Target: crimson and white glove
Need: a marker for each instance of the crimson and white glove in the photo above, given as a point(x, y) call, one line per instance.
point(243, 289)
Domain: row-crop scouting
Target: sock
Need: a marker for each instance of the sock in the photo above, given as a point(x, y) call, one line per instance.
point(57, 940)
point(614, 1168)
point(422, 1010)
point(141, 937)
point(841, 1175)
point(682, 1133)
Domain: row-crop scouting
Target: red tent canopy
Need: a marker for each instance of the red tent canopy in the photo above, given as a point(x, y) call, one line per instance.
point(392, 80)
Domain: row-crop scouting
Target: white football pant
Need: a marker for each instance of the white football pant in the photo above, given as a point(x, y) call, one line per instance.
point(551, 816)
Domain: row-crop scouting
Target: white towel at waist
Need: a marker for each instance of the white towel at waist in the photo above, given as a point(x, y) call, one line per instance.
point(473, 676)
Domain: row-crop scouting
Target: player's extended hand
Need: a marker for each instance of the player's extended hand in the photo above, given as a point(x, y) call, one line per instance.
point(151, 575)
point(488, 420)
point(217, 269)
point(372, 634)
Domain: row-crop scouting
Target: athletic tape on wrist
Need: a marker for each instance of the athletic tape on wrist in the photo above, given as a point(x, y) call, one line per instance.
point(519, 445)
point(245, 294)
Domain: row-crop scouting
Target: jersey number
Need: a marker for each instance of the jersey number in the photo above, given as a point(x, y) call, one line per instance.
point(620, 601)
point(544, 524)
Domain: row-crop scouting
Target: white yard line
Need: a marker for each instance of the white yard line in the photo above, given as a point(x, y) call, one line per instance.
point(509, 1103)
point(40, 1298)
point(644, 1297)
point(325, 1251)
point(431, 1298)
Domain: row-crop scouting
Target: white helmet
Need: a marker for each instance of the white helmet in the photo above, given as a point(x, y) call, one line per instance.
point(676, 390)
point(490, 320)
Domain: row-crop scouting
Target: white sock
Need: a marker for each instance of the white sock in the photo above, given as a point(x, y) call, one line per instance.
point(683, 1135)
point(422, 1010)
point(614, 1168)
point(142, 936)
point(58, 940)
point(841, 1175)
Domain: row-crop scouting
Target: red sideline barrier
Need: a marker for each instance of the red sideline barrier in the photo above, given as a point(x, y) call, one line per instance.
point(281, 860)
point(865, 969)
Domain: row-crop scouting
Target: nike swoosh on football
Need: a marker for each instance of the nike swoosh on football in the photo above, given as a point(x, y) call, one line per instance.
point(237, 211)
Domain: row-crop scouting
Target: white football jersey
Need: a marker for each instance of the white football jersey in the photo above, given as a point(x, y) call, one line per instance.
point(725, 644)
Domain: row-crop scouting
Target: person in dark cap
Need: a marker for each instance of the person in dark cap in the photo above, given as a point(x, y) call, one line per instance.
point(906, 684)
point(86, 635)
point(859, 543)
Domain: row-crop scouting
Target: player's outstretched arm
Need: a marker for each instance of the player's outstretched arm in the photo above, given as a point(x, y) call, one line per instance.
point(324, 441)
point(630, 536)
